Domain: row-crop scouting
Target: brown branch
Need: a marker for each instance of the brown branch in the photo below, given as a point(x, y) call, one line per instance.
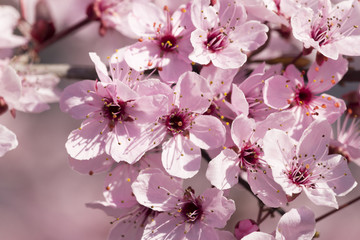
point(336, 210)
point(61, 70)
point(63, 34)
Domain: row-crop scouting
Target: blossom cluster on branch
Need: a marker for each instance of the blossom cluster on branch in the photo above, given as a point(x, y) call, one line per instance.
point(196, 83)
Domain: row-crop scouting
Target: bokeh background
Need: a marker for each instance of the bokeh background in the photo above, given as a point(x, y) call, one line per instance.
point(42, 198)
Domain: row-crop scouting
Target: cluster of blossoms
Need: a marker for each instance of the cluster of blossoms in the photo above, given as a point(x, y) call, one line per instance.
point(21, 90)
point(183, 88)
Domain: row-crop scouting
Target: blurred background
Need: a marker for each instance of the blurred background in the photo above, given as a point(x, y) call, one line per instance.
point(42, 198)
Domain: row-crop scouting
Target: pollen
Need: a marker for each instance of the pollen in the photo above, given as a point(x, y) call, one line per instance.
point(317, 69)
point(323, 105)
point(333, 81)
point(337, 104)
point(183, 10)
point(307, 166)
point(128, 179)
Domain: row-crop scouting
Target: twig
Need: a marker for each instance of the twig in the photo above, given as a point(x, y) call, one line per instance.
point(61, 70)
point(64, 33)
point(336, 210)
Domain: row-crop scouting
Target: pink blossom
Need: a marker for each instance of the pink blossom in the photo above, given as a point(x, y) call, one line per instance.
point(223, 35)
point(306, 165)
point(165, 40)
point(296, 224)
point(9, 18)
point(38, 90)
point(112, 14)
point(10, 91)
point(188, 127)
point(184, 215)
point(290, 92)
point(266, 10)
point(247, 156)
point(115, 116)
point(27, 91)
point(120, 202)
point(129, 222)
point(331, 30)
point(8, 140)
point(345, 139)
point(252, 88)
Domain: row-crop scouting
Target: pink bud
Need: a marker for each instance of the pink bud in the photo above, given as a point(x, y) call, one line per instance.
point(245, 227)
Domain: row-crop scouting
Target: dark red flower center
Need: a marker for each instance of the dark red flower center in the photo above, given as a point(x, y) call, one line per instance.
point(191, 210)
point(178, 121)
point(250, 155)
point(216, 40)
point(303, 96)
point(300, 175)
point(168, 43)
point(116, 111)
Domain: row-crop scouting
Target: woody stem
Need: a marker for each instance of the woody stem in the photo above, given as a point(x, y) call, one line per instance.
point(63, 34)
point(336, 210)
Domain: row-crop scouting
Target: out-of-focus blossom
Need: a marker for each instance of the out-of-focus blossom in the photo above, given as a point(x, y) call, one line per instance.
point(26, 91)
point(306, 165)
point(183, 214)
point(112, 14)
point(38, 90)
point(10, 90)
point(8, 140)
point(9, 18)
point(294, 225)
point(164, 41)
point(346, 139)
point(266, 10)
point(245, 227)
point(290, 92)
point(223, 35)
point(331, 30)
point(43, 28)
point(352, 100)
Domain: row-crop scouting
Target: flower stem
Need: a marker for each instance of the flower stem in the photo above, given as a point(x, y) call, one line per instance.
point(335, 210)
point(63, 34)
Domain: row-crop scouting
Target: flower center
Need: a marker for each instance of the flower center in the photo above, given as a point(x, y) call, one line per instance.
point(216, 40)
point(303, 96)
point(300, 175)
point(115, 111)
point(320, 34)
point(192, 208)
point(178, 121)
point(168, 43)
point(250, 155)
